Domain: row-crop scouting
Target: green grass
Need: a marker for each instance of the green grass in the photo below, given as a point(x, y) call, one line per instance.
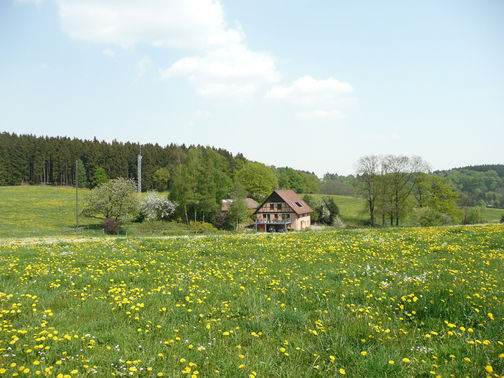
point(34, 211)
point(39, 210)
point(297, 304)
point(493, 215)
point(352, 209)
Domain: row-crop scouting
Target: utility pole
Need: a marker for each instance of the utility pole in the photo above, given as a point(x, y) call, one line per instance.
point(140, 173)
point(76, 196)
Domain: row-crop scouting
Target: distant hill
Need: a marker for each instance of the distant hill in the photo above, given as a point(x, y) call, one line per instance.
point(478, 185)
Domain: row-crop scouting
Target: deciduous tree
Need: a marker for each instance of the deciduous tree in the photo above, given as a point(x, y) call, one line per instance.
point(116, 199)
point(258, 179)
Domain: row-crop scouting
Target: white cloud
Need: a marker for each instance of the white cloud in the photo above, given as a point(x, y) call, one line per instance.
point(221, 65)
point(203, 114)
point(318, 99)
point(143, 65)
point(309, 91)
point(319, 114)
point(180, 24)
point(226, 72)
point(109, 52)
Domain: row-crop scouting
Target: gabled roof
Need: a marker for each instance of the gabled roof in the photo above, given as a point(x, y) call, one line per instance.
point(291, 199)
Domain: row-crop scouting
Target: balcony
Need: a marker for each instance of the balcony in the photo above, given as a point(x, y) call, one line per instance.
point(274, 221)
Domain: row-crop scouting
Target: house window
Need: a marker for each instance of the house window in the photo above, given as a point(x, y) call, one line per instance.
point(272, 206)
point(285, 216)
point(276, 216)
point(299, 205)
point(264, 216)
point(279, 206)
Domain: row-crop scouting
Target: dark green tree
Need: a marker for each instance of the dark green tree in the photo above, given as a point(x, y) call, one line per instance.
point(99, 177)
point(160, 178)
point(258, 179)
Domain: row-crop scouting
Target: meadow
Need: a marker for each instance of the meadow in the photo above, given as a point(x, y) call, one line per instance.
point(37, 211)
point(394, 302)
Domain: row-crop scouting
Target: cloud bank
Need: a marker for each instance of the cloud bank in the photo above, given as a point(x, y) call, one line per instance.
point(218, 62)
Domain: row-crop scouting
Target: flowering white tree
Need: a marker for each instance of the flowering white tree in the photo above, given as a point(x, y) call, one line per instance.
point(157, 207)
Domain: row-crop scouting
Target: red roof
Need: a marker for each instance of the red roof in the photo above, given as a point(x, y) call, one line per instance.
point(292, 200)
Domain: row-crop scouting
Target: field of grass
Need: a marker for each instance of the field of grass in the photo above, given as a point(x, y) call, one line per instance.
point(36, 211)
point(351, 209)
point(33, 211)
point(396, 303)
point(493, 215)
point(39, 210)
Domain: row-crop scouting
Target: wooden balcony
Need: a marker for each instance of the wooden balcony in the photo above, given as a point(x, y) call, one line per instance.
point(274, 221)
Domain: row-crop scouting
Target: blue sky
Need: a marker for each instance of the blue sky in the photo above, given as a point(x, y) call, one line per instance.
point(311, 85)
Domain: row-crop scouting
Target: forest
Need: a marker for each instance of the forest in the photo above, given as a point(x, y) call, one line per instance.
point(198, 177)
point(479, 185)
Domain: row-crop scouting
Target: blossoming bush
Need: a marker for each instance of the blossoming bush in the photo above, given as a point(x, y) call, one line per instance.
point(156, 207)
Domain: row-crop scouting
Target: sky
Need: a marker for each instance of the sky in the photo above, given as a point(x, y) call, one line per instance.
point(312, 85)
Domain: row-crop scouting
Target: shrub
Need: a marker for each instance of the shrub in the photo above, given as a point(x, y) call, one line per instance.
point(202, 227)
point(426, 216)
point(156, 207)
point(474, 215)
point(338, 222)
point(502, 219)
point(110, 226)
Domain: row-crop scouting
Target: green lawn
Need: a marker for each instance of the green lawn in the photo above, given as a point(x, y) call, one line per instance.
point(39, 210)
point(33, 211)
point(408, 302)
point(352, 209)
point(493, 215)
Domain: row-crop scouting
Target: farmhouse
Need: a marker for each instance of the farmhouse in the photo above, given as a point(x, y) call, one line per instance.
point(282, 210)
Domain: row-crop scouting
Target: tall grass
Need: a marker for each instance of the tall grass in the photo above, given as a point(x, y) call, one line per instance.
point(407, 302)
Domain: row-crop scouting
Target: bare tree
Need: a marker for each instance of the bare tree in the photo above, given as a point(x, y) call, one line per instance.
point(368, 174)
point(387, 182)
point(401, 172)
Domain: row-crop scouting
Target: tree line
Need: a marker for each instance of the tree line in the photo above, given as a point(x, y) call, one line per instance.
point(481, 185)
point(197, 177)
point(397, 186)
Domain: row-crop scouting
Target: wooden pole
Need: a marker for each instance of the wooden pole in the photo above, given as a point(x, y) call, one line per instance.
point(76, 196)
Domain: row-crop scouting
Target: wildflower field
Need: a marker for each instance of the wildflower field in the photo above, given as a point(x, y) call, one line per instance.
point(406, 302)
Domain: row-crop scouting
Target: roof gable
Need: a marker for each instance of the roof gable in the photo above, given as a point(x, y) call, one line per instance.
point(290, 198)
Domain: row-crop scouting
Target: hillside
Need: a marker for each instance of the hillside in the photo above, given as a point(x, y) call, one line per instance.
point(43, 210)
point(478, 185)
point(39, 210)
